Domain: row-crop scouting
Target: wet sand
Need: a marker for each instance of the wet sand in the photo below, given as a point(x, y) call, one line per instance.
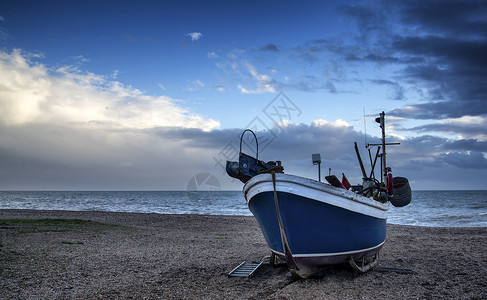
point(129, 255)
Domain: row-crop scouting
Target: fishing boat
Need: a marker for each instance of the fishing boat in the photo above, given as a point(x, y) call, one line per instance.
point(312, 224)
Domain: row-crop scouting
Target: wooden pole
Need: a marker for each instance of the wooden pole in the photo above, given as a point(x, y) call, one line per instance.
point(360, 161)
point(375, 161)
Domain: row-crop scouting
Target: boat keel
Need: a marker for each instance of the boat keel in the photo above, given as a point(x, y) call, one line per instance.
point(365, 266)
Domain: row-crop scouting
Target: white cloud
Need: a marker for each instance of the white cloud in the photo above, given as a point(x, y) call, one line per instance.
point(63, 128)
point(114, 74)
point(263, 82)
point(198, 82)
point(32, 93)
point(162, 86)
point(80, 59)
point(337, 123)
point(195, 36)
point(249, 80)
point(195, 84)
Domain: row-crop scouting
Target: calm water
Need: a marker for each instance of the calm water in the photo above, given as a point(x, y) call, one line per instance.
point(428, 208)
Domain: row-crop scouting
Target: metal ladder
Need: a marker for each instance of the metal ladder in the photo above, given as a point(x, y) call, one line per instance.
point(245, 269)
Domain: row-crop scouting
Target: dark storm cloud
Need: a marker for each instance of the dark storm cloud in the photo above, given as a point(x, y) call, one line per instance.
point(269, 47)
point(439, 46)
point(469, 145)
point(428, 153)
point(311, 52)
point(473, 160)
point(442, 109)
point(454, 17)
point(300, 140)
point(373, 58)
point(452, 40)
point(459, 160)
point(397, 91)
point(429, 145)
point(470, 128)
point(297, 139)
point(309, 83)
point(457, 71)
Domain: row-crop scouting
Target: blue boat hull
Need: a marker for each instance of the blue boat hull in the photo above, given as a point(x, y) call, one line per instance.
point(323, 225)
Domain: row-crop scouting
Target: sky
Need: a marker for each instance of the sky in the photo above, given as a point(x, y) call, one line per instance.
point(154, 95)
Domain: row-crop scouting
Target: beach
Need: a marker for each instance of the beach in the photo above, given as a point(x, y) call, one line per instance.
point(108, 255)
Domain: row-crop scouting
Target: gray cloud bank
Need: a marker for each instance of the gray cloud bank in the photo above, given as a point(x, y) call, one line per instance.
point(164, 158)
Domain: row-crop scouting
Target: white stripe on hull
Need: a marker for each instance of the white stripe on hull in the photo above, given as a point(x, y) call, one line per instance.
point(317, 191)
point(346, 253)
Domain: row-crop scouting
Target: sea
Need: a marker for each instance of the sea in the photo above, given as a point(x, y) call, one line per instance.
point(427, 208)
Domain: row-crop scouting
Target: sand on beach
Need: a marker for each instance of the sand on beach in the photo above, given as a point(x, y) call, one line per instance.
point(130, 255)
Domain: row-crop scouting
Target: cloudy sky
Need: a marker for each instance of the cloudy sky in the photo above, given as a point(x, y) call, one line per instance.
point(146, 95)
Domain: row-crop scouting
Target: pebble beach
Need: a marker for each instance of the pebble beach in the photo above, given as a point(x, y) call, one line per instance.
point(108, 255)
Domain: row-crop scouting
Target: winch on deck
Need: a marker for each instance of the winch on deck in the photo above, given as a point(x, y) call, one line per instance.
point(248, 166)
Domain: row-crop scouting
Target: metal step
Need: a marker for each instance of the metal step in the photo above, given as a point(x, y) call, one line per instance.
point(245, 269)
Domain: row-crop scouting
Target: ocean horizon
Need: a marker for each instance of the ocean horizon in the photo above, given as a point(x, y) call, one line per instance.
point(432, 208)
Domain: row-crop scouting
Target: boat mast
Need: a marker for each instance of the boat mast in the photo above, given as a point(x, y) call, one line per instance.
point(382, 124)
point(382, 121)
point(383, 127)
